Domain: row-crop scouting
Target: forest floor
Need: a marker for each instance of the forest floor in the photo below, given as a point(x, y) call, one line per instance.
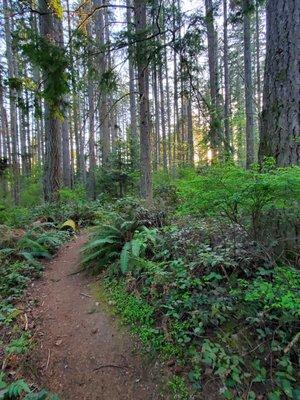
point(82, 352)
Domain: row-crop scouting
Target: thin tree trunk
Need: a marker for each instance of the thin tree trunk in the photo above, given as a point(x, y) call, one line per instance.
point(134, 139)
point(227, 132)
point(169, 135)
point(103, 103)
point(13, 104)
point(215, 114)
point(65, 131)
point(190, 130)
point(258, 68)
point(75, 102)
point(91, 114)
point(248, 85)
point(163, 116)
point(156, 138)
point(143, 84)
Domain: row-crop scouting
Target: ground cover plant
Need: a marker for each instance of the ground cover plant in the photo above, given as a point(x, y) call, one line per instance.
point(207, 292)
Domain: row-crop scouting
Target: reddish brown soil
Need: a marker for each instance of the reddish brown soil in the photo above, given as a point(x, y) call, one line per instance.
point(75, 336)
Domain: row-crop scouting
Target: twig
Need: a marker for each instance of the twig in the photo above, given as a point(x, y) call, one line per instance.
point(292, 343)
point(26, 322)
point(48, 360)
point(85, 295)
point(110, 366)
point(76, 272)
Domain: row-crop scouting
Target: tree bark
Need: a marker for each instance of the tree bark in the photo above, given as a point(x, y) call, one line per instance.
point(215, 114)
point(156, 138)
point(52, 164)
point(190, 130)
point(13, 105)
point(280, 122)
point(65, 129)
point(163, 117)
point(134, 139)
point(227, 132)
point(91, 115)
point(248, 85)
point(103, 103)
point(143, 87)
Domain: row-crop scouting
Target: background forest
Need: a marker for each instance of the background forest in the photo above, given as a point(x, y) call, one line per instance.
point(172, 128)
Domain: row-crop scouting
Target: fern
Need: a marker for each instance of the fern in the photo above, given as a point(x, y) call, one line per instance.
point(14, 390)
point(120, 244)
point(125, 257)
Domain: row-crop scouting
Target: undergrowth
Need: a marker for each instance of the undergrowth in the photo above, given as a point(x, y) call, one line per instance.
point(21, 253)
point(215, 289)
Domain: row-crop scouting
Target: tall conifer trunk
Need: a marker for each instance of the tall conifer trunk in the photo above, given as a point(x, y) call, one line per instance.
point(280, 122)
point(143, 88)
point(49, 29)
point(248, 84)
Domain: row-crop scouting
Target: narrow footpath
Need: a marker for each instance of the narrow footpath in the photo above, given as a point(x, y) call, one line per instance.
point(82, 353)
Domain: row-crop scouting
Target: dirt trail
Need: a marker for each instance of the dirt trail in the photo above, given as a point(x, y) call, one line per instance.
point(75, 336)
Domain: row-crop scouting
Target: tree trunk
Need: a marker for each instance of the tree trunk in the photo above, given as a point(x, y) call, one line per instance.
point(280, 122)
point(65, 131)
point(134, 140)
point(52, 165)
point(143, 87)
point(227, 132)
point(91, 115)
point(103, 104)
point(258, 68)
point(13, 105)
point(190, 130)
point(75, 102)
point(163, 116)
point(215, 114)
point(168, 105)
point(156, 138)
point(248, 85)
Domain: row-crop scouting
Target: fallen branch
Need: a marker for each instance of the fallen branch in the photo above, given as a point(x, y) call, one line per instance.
point(86, 295)
point(26, 322)
point(48, 360)
point(110, 366)
point(292, 343)
point(76, 272)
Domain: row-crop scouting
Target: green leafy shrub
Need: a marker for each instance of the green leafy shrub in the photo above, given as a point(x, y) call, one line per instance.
point(221, 313)
point(73, 195)
point(266, 204)
point(15, 216)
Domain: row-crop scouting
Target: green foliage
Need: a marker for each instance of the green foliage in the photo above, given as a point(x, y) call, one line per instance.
point(31, 194)
point(36, 243)
point(118, 178)
point(264, 203)
point(19, 346)
point(120, 244)
point(73, 195)
point(14, 390)
point(20, 389)
point(137, 313)
point(14, 216)
point(237, 192)
point(202, 294)
point(52, 60)
point(178, 388)
point(275, 291)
